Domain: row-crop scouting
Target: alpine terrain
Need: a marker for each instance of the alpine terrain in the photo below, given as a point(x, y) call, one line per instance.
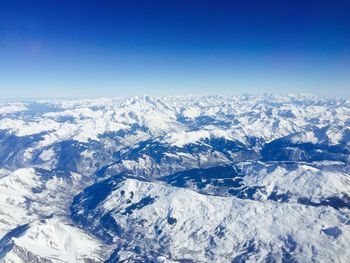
point(175, 179)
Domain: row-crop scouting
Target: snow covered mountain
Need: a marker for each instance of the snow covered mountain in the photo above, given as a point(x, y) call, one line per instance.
point(175, 179)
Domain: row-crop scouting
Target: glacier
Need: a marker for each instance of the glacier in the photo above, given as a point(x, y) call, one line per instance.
point(249, 178)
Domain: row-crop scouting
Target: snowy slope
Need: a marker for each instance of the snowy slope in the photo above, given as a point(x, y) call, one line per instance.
point(161, 221)
point(199, 178)
point(50, 241)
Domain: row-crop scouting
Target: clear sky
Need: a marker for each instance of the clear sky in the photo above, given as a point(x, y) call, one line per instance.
point(67, 48)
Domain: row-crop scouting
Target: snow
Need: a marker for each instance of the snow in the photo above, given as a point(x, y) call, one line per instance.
point(15, 188)
point(255, 115)
point(199, 216)
point(55, 241)
point(303, 181)
point(335, 135)
point(12, 108)
point(191, 113)
point(50, 157)
point(47, 155)
point(307, 137)
point(182, 138)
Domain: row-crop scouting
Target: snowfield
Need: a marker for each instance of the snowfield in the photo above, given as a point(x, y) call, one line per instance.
point(175, 179)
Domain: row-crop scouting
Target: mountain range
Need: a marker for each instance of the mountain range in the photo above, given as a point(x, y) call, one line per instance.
point(262, 178)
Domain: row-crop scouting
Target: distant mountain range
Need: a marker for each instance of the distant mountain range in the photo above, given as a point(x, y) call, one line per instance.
point(175, 179)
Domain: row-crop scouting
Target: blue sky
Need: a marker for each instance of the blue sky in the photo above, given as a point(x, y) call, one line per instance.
point(62, 48)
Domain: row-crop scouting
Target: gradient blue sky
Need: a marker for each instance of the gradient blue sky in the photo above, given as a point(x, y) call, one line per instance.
point(67, 48)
